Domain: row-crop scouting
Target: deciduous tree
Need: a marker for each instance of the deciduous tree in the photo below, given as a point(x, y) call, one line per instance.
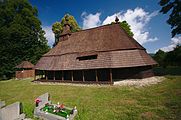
point(174, 6)
point(57, 27)
point(21, 35)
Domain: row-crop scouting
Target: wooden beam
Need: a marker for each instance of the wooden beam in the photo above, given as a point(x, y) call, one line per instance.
point(62, 76)
point(53, 75)
point(35, 75)
point(96, 76)
point(111, 76)
point(46, 75)
point(83, 76)
point(72, 76)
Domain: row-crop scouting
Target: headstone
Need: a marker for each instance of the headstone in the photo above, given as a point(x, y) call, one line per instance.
point(2, 104)
point(44, 99)
point(11, 112)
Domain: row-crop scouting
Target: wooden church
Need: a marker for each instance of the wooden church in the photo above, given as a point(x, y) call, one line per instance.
point(98, 55)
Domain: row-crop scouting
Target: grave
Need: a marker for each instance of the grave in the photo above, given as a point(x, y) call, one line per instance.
point(12, 112)
point(47, 111)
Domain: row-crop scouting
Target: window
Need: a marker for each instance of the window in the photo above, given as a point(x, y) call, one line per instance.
point(90, 57)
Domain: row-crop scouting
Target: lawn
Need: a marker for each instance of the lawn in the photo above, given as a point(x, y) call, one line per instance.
point(161, 101)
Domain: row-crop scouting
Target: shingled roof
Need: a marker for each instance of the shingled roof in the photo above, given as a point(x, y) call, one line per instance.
point(25, 64)
point(110, 44)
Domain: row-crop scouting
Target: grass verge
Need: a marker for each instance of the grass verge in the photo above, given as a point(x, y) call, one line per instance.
point(161, 101)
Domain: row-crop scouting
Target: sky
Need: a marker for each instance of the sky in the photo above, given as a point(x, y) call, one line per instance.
point(148, 25)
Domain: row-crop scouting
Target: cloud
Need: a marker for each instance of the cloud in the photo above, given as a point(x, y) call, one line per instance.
point(49, 35)
point(91, 20)
point(174, 42)
point(137, 19)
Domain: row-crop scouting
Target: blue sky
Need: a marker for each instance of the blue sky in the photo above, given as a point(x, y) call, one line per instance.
point(149, 26)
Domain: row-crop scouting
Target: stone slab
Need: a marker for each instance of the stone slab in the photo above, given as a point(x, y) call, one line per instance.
point(44, 100)
point(11, 112)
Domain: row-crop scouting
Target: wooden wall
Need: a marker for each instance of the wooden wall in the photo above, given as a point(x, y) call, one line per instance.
point(25, 74)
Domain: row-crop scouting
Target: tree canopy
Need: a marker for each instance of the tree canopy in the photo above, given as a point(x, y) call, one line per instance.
point(21, 35)
point(160, 57)
point(57, 27)
point(127, 28)
point(174, 6)
point(171, 58)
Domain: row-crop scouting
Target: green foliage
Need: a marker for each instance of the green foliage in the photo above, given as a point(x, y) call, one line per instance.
point(160, 57)
point(57, 27)
point(21, 35)
point(171, 58)
point(172, 70)
point(175, 16)
point(126, 27)
point(71, 21)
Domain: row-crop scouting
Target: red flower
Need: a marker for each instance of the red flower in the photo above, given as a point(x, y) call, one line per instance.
point(62, 106)
point(37, 100)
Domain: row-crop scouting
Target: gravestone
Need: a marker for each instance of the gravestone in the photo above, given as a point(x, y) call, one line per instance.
point(44, 99)
point(11, 112)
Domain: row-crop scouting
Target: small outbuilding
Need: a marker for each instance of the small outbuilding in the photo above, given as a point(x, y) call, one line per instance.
point(25, 70)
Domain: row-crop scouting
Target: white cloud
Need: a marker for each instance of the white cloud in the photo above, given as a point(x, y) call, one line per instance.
point(91, 20)
point(49, 35)
point(137, 19)
point(174, 42)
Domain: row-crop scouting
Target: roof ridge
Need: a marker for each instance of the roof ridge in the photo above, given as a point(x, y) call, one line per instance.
point(94, 28)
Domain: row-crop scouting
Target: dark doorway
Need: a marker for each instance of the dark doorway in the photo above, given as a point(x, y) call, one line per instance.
point(58, 75)
point(78, 76)
point(67, 75)
point(50, 75)
point(103, 75)
point(90, 75)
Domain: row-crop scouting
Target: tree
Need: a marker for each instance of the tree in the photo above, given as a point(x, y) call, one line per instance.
point(174, 6)
point(57, 27)
point(21, 35)
point(173, 58)
point(124, 25)
point(160, 57)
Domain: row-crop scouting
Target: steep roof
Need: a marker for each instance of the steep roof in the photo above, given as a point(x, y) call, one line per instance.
point(104, 38)
point(113, 47)
point(25, 64)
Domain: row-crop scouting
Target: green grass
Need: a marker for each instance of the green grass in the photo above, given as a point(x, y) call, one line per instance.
point(161, 101)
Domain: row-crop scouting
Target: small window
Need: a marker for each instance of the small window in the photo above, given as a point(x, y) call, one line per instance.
point(90, 57)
